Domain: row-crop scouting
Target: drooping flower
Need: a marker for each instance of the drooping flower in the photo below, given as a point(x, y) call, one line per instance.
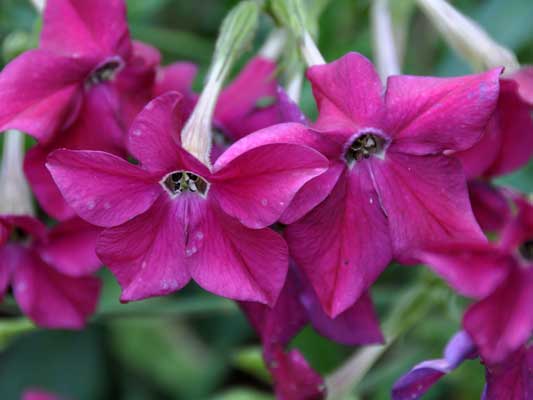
point(511, 379)
point(38, 394)
point(500, 277)
point(298, 305)
point(49, 270)
point(80, 89)
point(393, 185)
point(171, 218)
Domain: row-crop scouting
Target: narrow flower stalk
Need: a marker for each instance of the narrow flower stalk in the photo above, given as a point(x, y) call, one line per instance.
point(236, 32)
point(290, 13)
point(294, 86)
point(273, 45)
point(385, 52)
point(469, 39)
point(15, 194)
point(39, 4)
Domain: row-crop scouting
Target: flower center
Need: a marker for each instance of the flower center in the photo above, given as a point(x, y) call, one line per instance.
point(179, 182)
point(526, 250)
point(363, 147)
point(105, 72)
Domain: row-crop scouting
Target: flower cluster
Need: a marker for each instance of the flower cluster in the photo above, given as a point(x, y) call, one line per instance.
point(293, 219)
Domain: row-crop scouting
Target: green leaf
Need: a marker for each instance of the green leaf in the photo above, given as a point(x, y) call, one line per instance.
point(251, 361)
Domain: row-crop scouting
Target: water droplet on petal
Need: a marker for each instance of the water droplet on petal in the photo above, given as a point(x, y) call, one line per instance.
point(21, 287)
point(190, 251)
point(107, 205)
point(137, 132)
point(199, 235)
point(371, 200)
point(264, 202)
point(143, 265)
point(91, 204)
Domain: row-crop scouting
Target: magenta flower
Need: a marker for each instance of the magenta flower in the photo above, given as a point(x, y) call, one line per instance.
point(511, 379)
point(87, 82)
point(501, 278)
point(293, 378)
point(490, 204)
point(49, 270)
point(298, 305)
point(172, 219)
point(393, 185)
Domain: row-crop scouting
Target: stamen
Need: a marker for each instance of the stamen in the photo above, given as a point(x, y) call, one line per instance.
point(183, 181)
point(363, 147)
point(104, 72)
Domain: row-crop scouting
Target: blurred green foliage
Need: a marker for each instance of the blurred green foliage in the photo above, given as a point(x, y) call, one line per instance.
point(195, 346)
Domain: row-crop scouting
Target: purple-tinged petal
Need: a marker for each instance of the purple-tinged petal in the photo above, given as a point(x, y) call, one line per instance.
point(70, 248)
point(348, 93)
point(40, 93)
point(147, 254)
point(102, 188)
point(473, 270)
point(154, 137)
point(4, 232)
point(96, 28)
point(98, 127)
point(430, 115)
point(312, 193)
point(511, 379)
point(422, 377)
point(513, 120)
point(524, 78)
point(357, 325)
point(177, 77)
point(491, 208)
point(231, 260)
point(237, 112)
point(502, 322)
point(288, 109)
point(49, 298)
point(343, 244)
point(426, 202)
point(8, 260)
point(257, 186)
point(294, 379)
point(279, 324)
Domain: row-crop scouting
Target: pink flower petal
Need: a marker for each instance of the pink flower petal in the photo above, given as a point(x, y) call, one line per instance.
point(294, 379)
point(491, 208)
point(348, 93)
point(154, 137)
point(8, 260)
point(257, 186)
point(474, 270)
point(147, 254)
point(312, 193)
point(233, 261)
point(41, 93)
point(513, 120)
point(237, 112)
point(70, 248)
point(524, 78)
point(4, 232)
point(502, 322)
point(98, 127)
point(343, 244)
point(177, 77)
point(102, 188)
point(429, 115)
point(511, 379)
point(30, 225)
point(50, 299)
point(520, 228)
point(357, 325)
point(136, 80)
point(279, 324)
point(426, 201)
point(37, 394)
point(77, 27)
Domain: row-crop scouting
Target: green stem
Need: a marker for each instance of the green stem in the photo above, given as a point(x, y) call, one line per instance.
point(410, 308)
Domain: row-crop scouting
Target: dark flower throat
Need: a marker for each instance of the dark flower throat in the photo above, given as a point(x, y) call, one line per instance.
point(182, 181)
point(526, 250)
point(363, 147)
